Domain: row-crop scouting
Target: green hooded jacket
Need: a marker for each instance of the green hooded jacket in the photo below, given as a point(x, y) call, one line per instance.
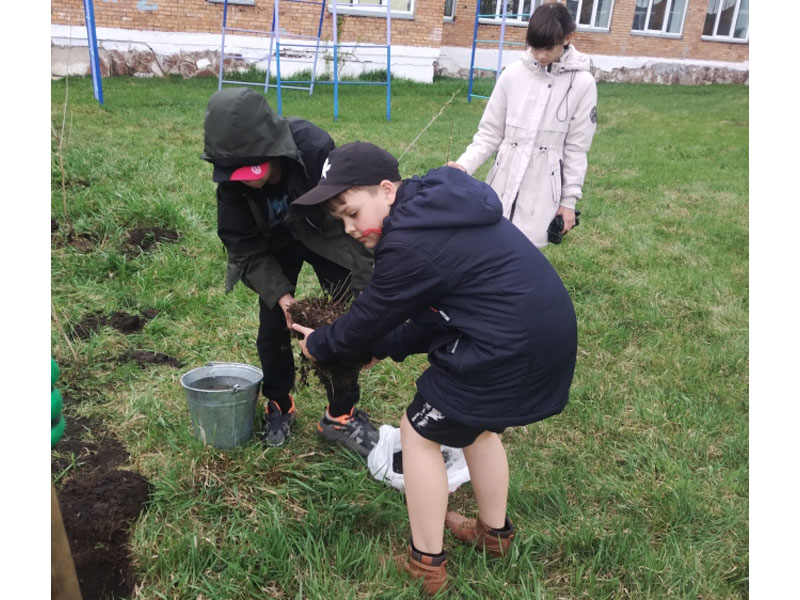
point(241, 129)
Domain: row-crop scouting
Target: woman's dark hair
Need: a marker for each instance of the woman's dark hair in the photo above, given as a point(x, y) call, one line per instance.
point(549, 25)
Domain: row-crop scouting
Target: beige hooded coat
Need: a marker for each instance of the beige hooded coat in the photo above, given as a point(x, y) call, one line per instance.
point(541, 123)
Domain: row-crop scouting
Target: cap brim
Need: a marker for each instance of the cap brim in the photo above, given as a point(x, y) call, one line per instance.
point(221, 174)
point(320, 194)
point(246, 173)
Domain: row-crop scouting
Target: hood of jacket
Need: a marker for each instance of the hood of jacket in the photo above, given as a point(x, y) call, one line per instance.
point(444, 198)
point(241, 128)
point(571, 60)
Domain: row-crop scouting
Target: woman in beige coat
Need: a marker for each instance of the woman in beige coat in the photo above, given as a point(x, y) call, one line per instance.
point(540, 120)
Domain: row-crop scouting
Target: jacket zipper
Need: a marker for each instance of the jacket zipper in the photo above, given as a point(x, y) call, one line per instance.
point(452, 346)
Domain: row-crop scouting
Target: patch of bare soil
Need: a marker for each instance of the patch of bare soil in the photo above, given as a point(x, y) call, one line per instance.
point(145, 238)
point(98, 501)
point(314, 313)
point(146, 357)
point(119, 320)
point(82, 242)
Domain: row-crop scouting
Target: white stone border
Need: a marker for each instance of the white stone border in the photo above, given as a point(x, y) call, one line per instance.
point(452, 59)
point(410, 62)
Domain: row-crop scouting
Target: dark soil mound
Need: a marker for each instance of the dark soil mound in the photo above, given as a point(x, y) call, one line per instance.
point(146, 357)
point(90, 443)
point(88, 325)
point(98, 503)
point(119, 320)
point(144, 239)
point(126, 323)
point(82, 242)
point(314, 313)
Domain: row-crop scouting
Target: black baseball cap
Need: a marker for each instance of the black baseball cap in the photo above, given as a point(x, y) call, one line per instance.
point(351, 165)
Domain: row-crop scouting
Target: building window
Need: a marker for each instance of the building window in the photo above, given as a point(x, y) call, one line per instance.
point(449, 9)
point(727, 20)
point(591, 14)
point(244, 2)
point(398, 6)
point(517, 11)
point(659, 17)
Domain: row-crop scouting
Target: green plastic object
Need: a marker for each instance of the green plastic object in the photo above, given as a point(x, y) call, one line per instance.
point(55, 405)
point(56, 432)
point(56, 402)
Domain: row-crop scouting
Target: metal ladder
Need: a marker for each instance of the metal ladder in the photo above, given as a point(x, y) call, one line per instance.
point(387, 46)
point(274, 50)
point(278, 43)
point(501, 43)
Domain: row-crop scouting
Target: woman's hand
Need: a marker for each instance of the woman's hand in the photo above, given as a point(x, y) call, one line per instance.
point(305, 332)
point(568, 215)
point(455, 165)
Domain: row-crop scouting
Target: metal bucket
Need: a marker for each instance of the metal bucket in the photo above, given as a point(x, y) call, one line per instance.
point(222, 400)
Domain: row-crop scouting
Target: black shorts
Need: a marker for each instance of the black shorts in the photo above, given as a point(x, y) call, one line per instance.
point(431, 424)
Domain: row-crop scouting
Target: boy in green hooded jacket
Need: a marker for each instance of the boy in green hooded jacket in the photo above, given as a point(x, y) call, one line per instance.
point(262, 163)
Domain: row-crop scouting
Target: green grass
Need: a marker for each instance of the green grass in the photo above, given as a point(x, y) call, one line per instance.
point(638, 490)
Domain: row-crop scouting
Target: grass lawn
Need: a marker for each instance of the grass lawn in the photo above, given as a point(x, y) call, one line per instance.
point(639, 489)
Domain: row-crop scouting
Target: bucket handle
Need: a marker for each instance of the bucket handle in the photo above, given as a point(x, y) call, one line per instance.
point(214, 363)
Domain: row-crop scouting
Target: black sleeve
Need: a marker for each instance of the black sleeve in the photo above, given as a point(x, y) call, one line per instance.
point(404, 283)
point(314, 145)
point(236, 226)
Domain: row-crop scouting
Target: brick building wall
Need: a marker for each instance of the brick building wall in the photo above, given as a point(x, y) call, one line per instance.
point(423, 44)
point(200, 16)
point(618, 41)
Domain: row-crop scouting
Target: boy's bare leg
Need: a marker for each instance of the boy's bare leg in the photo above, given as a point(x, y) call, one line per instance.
point(425, 481)
point(488, 471)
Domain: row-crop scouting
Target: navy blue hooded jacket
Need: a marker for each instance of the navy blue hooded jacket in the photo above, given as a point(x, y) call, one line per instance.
point(455, 279)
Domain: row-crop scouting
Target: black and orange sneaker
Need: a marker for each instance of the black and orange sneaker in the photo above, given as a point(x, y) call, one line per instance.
point(353, 430)
point(277, 426)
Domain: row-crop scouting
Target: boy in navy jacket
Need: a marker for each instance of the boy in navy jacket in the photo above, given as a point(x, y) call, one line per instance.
point(456, 280)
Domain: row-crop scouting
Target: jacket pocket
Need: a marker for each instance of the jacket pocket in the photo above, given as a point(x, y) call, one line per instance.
point(505, 157)
point(495, 166)
point(555, 166)
point(233, 275)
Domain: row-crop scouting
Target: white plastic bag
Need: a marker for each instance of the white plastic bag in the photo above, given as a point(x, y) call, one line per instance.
point(381, 458)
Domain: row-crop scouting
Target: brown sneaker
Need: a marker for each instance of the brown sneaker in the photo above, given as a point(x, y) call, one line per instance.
point(430, 570)
point(496, 543)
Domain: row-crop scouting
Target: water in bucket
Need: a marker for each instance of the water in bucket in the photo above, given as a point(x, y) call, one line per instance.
point(222, 399)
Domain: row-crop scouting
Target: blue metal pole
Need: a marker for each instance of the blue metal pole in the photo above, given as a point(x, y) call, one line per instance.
point(222, 47)
point(335, 64)
point(316, 50)
point(88, 11)
point(271, 40)
point(277, 32)
point(388, 61)
point(474, 43)
point(502, 39)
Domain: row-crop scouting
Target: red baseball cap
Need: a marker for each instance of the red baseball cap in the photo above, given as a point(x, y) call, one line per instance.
point(247, 173)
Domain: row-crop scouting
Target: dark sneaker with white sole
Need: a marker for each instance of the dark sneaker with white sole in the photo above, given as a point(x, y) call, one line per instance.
point(277, 426)
point(353, 430)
